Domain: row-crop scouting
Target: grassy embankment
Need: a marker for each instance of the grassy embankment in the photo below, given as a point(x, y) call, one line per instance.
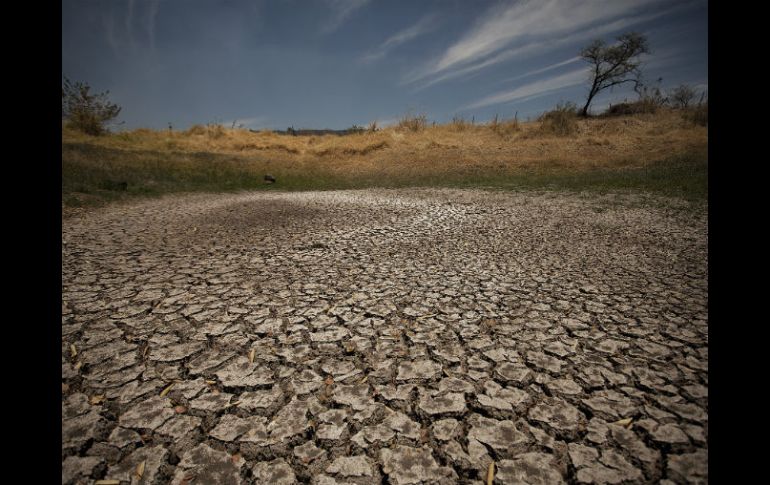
point(660, 153)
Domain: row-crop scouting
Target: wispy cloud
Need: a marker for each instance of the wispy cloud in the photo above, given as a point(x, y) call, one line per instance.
point(255, 122)
point(465, 71)
point(341, 11)
point(526, 50)
point(121, 39)
point(545, 69)
point(663, 57)
point(502, 26)
point(150, 22)
point(129, 21)
point(108, 21)
point(534, 89)
point(423, 26)
point(501, 57)
point(527, 28)
point(388, 122)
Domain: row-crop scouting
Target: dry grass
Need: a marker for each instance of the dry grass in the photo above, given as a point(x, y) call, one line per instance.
point(443, 147)
point(413, 123)
point(561, 121)
point(202, 157)
point(504, 128)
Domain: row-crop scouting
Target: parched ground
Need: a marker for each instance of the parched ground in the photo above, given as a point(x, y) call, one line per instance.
point(385, 336)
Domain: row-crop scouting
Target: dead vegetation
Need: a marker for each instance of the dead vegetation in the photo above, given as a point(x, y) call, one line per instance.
point(557, 135)
point(412, 152)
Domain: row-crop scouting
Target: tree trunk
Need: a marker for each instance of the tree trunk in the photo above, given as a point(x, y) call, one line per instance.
point(584, 111)
point(593, 92)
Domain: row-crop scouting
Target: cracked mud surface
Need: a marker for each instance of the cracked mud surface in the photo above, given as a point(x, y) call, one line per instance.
point(385, 336)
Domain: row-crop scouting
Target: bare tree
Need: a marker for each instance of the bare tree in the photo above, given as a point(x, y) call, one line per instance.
point(682, 96)
point(615, 64)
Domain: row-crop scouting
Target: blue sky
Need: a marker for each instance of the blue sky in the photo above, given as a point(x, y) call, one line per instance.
point(335, 63)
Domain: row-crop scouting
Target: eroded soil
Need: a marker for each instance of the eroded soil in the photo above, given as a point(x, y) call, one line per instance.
point(385, 336)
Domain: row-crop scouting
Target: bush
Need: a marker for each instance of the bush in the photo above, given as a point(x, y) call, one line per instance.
point(560, 121)
point(682, 96)
point(651, 98)
point(84, 111)
point(644, 105)
point(413, 123)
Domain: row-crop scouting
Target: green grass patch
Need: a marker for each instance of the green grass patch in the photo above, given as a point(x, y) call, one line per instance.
point(683, 176)
point(93, 175)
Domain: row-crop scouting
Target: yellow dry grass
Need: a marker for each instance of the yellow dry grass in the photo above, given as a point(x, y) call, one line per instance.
point(598, 143)
point(663, 152)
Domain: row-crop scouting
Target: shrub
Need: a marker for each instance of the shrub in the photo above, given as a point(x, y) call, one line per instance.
point(560, 121)
point(84, 111)
point(682, 96)
point(413, 123)
point(645, 105)
point(651, 98)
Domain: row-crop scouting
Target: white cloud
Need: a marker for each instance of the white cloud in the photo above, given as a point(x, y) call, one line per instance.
point(341, 10)
point(108, 22)
point(503, 56)
point(150, 22)
point(388, 122)
point(129, 22)
point(255, 122)
point(662, 58)
point(121, 40)
point(502, 26)
point(534, 89)
point(545, 69)
point(424, 25)
point(528, 28)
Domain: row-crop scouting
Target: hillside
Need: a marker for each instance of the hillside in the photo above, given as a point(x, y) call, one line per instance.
point(661, 152)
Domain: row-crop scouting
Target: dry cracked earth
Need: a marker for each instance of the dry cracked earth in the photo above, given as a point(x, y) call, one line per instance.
point(385, 336)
